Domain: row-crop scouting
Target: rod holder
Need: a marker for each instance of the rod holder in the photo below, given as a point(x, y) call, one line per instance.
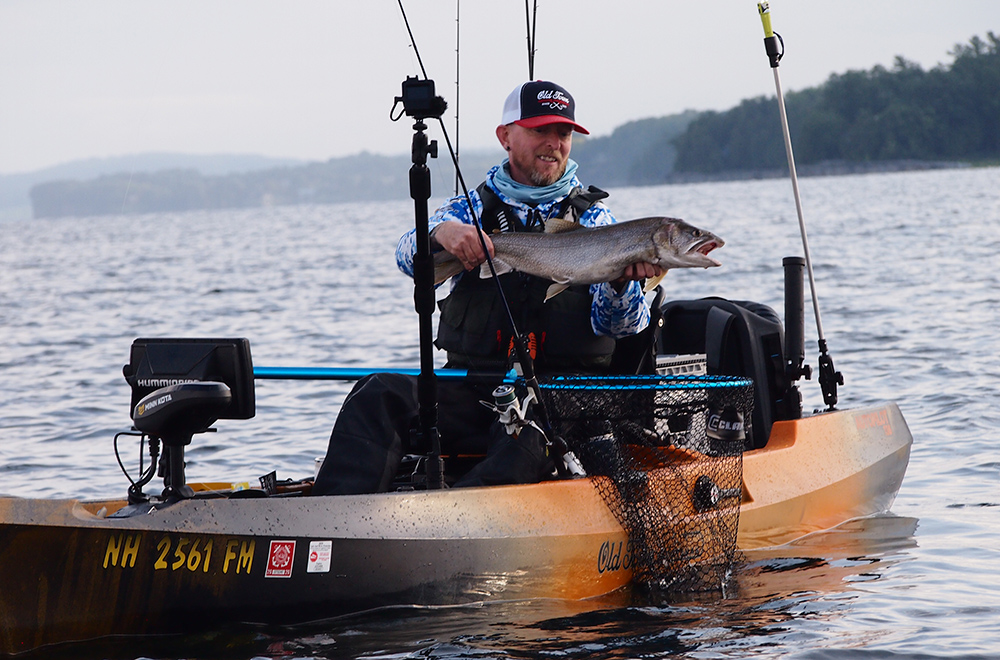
point(795, 324)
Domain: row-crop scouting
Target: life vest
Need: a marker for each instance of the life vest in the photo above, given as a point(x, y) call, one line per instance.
point(474, 328)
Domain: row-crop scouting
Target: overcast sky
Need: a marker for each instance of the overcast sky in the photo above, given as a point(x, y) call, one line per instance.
point(313, 79)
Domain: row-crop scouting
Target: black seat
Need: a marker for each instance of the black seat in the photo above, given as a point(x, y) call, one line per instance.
point(738, 338)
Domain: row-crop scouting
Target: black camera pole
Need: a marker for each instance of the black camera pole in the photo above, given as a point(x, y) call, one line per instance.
point(423, 298)
point(420, 102)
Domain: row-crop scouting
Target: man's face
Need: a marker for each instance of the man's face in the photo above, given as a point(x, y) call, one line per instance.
point(537, 155)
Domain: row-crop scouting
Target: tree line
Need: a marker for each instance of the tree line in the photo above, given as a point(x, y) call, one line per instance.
point(883, 115)
point(901, 113)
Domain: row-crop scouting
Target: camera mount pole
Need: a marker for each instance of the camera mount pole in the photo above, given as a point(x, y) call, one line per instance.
point(423, 298)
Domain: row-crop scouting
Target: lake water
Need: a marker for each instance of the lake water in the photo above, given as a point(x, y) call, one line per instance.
point(909, 290)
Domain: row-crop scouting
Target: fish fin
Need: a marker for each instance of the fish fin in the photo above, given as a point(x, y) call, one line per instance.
point(500, 266)
point(654, 282)
point(554, 290)
point(446, 265)
point(559, 225)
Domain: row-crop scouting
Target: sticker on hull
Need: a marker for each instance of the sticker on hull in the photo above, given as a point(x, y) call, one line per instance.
point(320, 553)
point(280, 558)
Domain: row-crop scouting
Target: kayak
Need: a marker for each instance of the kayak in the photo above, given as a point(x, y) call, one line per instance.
point(680, 471)
point(74, 570)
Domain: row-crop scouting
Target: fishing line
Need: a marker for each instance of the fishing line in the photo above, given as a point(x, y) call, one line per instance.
point(458, 77)
point(128, 187)
point(465, 192)
point(155, 73)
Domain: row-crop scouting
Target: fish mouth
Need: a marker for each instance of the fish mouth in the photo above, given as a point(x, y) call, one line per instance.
point(704, 246)
point(708, 246)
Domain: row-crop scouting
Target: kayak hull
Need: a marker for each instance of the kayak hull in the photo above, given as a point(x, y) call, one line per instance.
point(70, 572)
point(817, 472)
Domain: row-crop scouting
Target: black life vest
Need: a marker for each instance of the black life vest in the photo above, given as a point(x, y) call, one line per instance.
point(474, 328)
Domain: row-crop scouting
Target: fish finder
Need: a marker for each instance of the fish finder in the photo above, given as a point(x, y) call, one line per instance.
point(156, 363)
point(179, 388)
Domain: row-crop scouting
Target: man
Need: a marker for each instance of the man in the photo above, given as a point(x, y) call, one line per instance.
point(573, 332)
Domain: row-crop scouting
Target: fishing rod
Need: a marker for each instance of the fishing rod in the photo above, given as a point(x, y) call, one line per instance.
point(458, 78)
point(419, 101)
point(520, 342)
point(531, 23)
point(829, 377)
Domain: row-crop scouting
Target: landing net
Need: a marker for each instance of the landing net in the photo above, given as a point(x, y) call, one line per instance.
point(667, 454)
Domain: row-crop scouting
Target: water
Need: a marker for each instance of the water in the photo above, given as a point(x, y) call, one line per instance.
point(910, 303)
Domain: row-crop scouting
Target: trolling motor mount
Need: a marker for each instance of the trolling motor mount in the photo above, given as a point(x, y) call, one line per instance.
point(174, 414)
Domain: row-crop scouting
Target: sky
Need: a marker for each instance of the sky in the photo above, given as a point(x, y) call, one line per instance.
point(316, 79)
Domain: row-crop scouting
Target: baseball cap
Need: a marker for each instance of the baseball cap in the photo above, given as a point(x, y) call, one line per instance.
point(538, 103)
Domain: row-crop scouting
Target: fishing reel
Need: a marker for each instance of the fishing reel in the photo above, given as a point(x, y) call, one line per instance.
point(512, 413)
point(514, 416)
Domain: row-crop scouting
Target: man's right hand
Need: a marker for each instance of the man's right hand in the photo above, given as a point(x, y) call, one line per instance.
point(462, 240)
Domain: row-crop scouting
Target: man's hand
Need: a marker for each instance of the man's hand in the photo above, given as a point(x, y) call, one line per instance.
point(640, 270)
point(462, 240)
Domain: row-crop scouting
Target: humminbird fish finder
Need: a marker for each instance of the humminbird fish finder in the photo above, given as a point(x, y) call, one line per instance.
point(157, 363)
point(180, 387)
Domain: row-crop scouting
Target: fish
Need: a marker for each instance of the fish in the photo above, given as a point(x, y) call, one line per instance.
point(570, 254)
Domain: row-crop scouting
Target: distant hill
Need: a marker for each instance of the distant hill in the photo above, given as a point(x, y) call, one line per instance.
point(363, 177)
point(14, 188)
point(638, 153)
point(883, 119)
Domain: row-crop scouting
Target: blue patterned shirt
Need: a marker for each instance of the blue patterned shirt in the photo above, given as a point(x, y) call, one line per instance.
point(611, 314)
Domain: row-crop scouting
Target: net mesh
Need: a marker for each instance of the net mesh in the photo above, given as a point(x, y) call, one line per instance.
point(666, 453)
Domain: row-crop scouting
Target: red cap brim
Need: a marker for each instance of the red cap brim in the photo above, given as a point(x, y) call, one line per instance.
point(545, 120)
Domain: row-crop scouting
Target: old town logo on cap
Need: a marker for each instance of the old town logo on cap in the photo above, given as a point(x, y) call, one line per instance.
point(554, 99)
point(539, 103)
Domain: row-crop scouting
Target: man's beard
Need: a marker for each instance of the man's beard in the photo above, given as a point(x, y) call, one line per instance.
point(541, 180)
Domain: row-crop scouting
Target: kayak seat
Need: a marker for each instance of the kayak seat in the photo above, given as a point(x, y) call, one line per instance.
point(738, 338)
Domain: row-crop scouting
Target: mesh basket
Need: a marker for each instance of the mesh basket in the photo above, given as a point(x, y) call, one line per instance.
point(667, 456)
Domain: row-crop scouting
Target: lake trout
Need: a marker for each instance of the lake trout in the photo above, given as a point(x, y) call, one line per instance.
point(568, 253)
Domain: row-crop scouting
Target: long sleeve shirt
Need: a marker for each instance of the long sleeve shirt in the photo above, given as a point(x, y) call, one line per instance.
point(612, 314)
